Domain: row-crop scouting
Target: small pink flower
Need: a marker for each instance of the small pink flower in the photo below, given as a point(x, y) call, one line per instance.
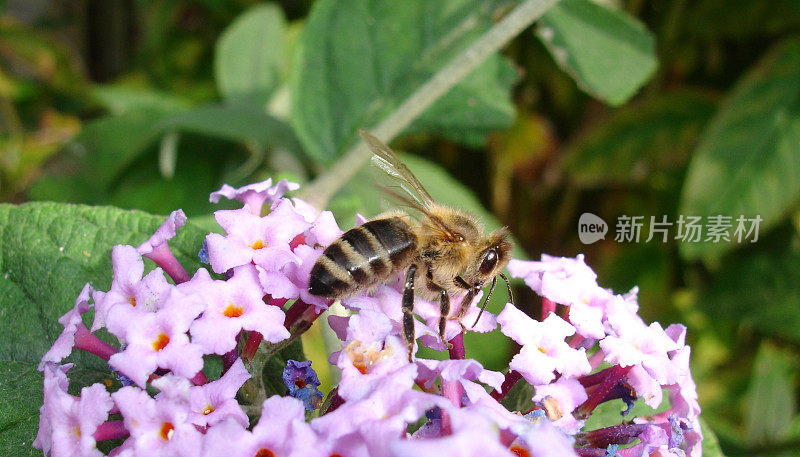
point(157, 247)
point(157, 427)
point(264, 241)
point(214, 402)
point(159, 340)
point(232, 306)
point(128, 288)
point(256, 195)
point(66, 423)
point(76, 335)
point(544, 350)
point(281, 431)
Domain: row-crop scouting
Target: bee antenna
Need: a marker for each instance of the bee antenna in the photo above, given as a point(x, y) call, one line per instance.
point(508, 286)
point(485, 301)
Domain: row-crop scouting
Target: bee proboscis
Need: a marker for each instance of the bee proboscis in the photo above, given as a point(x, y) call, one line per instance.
point(443, 251)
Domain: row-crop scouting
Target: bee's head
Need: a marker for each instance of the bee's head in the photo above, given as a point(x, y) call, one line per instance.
point(492, 256)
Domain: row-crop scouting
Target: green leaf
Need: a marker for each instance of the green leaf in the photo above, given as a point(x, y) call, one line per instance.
point(609, 53)
point(358, 59)
point(120, 99)
point(250, 56)
point(241, 124)
point(20, 398)
point(711, 446)
point(520, 397)
point(771, 389)
point(639, 139)
point(749, 158)
point(485, 88)
point(759, 289)
point(608, 413)
point(48, 251)
point(107, 154)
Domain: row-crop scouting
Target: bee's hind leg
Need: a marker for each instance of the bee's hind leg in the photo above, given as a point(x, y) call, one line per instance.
point(408, 311)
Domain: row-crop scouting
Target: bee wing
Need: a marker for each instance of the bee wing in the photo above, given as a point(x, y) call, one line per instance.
point(387, 161)
point(405, 188)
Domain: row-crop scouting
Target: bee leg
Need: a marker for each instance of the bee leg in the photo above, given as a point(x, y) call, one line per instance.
point(408, 311)
point(444, 308)
point(471, 293)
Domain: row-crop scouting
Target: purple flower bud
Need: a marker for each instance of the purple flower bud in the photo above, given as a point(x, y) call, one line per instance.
point(302, 382)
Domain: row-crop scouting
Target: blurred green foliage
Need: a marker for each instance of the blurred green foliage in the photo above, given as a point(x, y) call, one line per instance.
point(615, 107)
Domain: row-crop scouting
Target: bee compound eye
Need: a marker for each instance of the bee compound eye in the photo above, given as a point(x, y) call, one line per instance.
point(489, 262)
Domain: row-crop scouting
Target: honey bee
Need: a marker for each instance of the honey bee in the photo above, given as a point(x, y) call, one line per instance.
point(444, 250)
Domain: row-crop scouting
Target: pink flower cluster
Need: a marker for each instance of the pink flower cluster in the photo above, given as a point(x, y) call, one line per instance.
point(590, 347)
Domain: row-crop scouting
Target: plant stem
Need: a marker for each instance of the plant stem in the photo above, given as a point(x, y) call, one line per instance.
point(320, 191)
point(457, 350)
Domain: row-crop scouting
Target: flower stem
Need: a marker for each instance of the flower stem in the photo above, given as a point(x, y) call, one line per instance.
point(457, 350)
point(87, 341)
point(250, 348)
point(199, 379)
point(548, 307)
point(164, 258)
point(228, 359)
point(319, 192)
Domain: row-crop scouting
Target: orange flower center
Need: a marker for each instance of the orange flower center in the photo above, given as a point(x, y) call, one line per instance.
point(542, 350)
point(208, 410)
point(365, 356)
point(264, 453)
point(258, 244)
point(132, 300)
point(233, 311)
point(520, 451)
point(167, 429)
point(161, 342)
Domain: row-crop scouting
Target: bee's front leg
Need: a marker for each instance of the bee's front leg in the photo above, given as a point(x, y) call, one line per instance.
point(408, 311)
point(444, 308)
point(465, 303)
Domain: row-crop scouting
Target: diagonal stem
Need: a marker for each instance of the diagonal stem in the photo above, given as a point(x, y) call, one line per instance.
point(320, 191)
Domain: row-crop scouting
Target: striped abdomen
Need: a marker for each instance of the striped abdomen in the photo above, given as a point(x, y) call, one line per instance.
point(363, 256)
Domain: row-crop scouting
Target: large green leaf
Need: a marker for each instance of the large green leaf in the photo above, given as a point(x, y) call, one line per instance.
point(250, 57)
point(608, 53)
point(759, 289)
point(771, 389)
point(748, 161)
point(711, 446)
point(357, 59)
point(107, 154)
point(20, 398)
point(639, 139)
point(48, 252)
point(121, 98)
